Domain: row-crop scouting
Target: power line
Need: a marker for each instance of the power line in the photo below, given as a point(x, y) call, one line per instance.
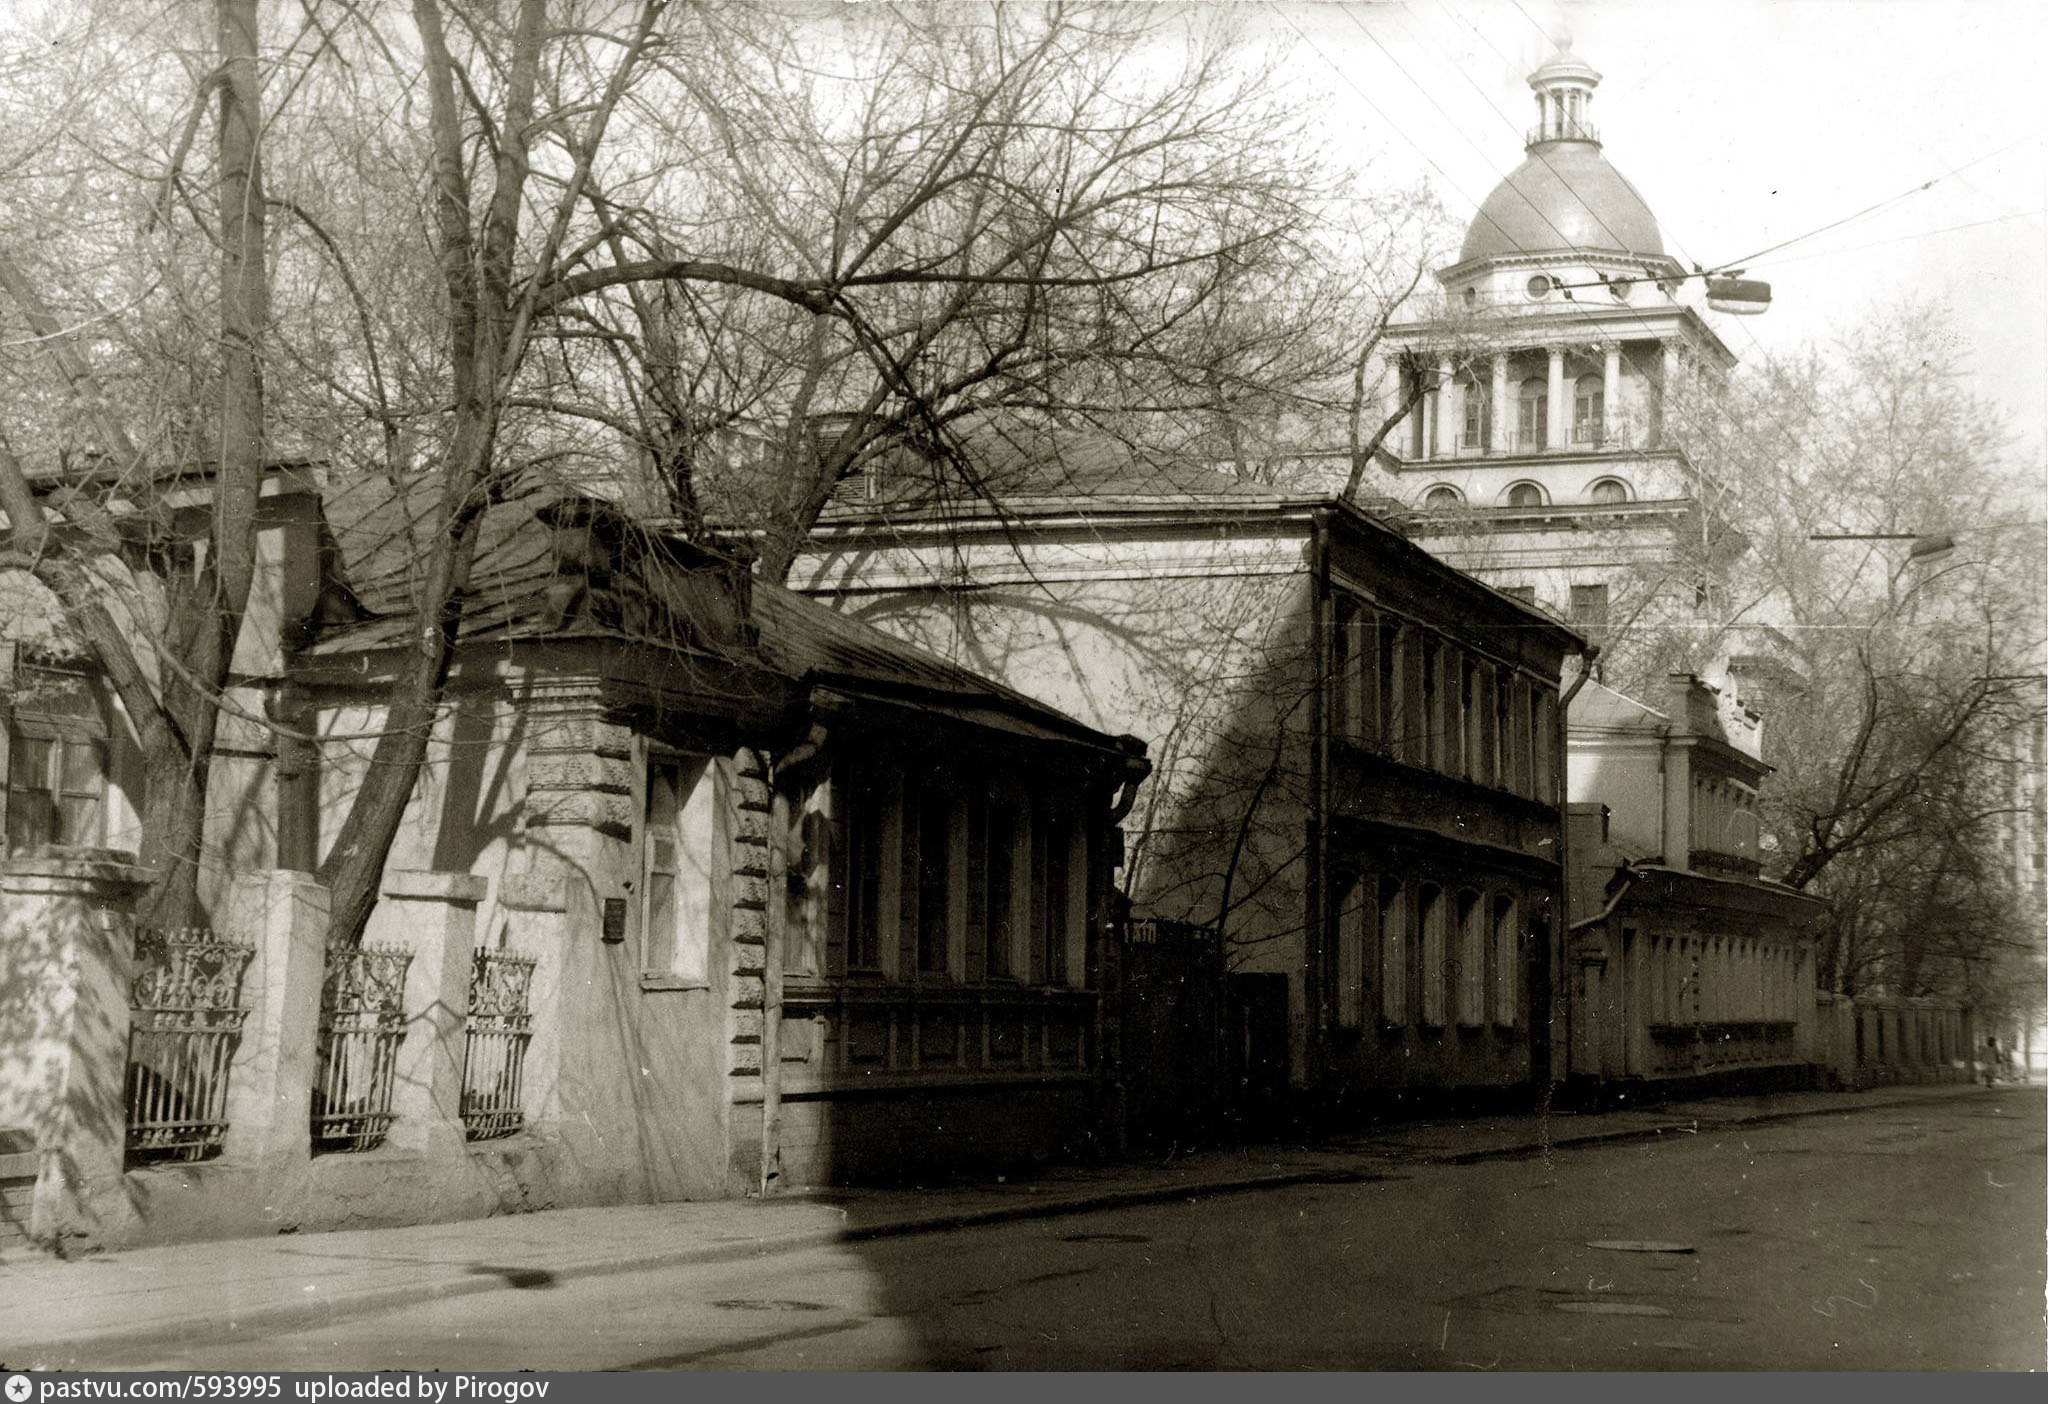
point(1889, 200)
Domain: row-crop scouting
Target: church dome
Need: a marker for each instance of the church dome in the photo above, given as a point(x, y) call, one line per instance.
point(1565, 196)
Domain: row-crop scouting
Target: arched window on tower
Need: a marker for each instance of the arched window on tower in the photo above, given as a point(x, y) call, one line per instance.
point(1523, 495)
point(1608, 490)
point(1588, 407)
point(1442, 498)
point(1532, 415)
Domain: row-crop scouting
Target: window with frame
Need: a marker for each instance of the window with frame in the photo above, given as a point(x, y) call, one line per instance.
point(1429, 901)
point(1457, 703)
point(864, 849)
point(1588, 610)
point(1389, 671)
point(678, 840)
point(1588, 406)
point(1532, 414)
point(1393, 952)
point(1432, 750)
point(1349, 1005)
point(1348, 628)
point(1506, 967)
point(1478, 416)
point(1504, 731)
point(1052, 871)
point(56, 789)
point(1000, 868)
point(1470, 965)
point(1473, 697)
point(1487, 753)
point(56, 773)
point(1523, 495)
point(934, 879)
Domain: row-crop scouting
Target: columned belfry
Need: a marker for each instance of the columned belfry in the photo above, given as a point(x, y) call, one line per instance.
point(1541, 453)
point(1564, 90)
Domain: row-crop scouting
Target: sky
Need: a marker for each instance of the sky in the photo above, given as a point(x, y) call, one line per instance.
point(1744, 123)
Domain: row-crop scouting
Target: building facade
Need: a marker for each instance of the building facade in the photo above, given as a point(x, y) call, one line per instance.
point(704, 890)
point(1684, 963)
point(1545, 451)
point(1357, 786)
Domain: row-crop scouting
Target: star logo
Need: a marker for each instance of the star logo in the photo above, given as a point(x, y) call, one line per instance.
point(18, 1388)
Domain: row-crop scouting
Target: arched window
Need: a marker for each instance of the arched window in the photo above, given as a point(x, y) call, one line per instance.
point(1588, 402)
point(1393, 914)
point(1436, 971)
point(1507, 965)
point(1442, 498)
point(1478, 398)
point(1523, 495)
point(1608, 490)
point(1532, 414)
point(1470, 962)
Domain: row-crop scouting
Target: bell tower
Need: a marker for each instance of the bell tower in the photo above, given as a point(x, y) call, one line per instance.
point(1564, 94)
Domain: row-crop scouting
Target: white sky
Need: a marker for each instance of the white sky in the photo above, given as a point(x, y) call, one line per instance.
point(1744, 122)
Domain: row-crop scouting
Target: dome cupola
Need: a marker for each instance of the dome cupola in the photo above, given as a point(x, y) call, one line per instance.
point(1564, 198)
point(1564, 92)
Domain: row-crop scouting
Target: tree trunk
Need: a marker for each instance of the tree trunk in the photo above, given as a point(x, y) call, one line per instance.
point(207, 618)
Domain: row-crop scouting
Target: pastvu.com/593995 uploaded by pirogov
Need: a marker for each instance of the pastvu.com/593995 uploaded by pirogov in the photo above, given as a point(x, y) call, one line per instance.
point(314, 1389)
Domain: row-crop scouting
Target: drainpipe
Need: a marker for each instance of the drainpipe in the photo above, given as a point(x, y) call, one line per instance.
point(1560, 978)
point(1314, 993)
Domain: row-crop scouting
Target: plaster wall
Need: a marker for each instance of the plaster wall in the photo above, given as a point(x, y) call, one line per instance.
point(1629, 780)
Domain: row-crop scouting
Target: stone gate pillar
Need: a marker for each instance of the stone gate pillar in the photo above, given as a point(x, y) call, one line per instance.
point(435, 915)
point(67, 962)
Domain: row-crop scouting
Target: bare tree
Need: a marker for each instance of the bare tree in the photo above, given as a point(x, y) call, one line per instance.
point(171, 690)
point(1895, 549)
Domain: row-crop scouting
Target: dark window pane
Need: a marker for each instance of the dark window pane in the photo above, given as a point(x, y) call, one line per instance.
point(934, 850)
point(28, 764)
point(1002, 837)
point(83, 768)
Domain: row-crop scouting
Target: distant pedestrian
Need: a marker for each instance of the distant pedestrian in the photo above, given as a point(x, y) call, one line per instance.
point(1991, 1060)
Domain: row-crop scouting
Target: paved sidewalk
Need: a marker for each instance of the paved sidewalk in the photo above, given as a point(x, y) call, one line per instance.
point(53, 1312)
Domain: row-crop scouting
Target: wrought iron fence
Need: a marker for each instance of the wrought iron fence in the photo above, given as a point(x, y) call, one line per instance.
point(185, 1023)
point(494, 1060)
point(362, 1024)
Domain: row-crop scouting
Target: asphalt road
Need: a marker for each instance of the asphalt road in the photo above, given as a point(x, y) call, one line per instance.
point(1907, 1238)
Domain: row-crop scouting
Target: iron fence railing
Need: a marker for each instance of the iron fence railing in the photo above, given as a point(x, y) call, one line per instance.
point(185, 1022)
point(362, 1025)
point(494, 1060)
